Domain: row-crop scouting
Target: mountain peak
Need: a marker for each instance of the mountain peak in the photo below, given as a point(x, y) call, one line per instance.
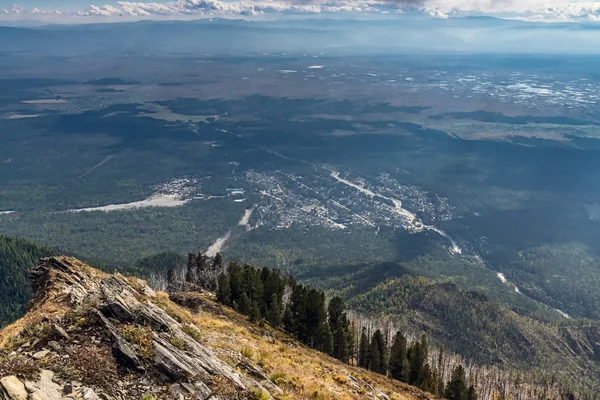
point(92, 335)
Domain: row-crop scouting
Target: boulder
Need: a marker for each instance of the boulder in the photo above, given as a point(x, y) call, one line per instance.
point(13, 388)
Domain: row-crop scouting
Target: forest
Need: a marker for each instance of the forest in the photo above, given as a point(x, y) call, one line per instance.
point(267, 296)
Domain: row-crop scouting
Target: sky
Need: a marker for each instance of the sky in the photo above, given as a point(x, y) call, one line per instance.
point(110, 10)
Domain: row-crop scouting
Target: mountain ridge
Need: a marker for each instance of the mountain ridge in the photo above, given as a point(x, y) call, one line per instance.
point(86, 329)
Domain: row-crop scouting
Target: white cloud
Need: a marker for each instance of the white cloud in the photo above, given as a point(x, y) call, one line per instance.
point(537, 10)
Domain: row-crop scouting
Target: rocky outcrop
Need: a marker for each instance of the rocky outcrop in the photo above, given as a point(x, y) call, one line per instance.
point(113, 339)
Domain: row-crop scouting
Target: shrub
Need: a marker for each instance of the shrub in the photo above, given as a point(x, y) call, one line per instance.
point(247, 352)
point(193, 332)
point(21, 367)
point(141, 337)
point(258, 394)
point(94, 366)
point(180, 344)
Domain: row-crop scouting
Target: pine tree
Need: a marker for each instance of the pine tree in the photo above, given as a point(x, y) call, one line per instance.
point(171, 277)
point(398, 358)
point(378, 339)
point(244, 305)
point(363, 350)
point(224, 289)
point(457, 387)
point(255, 315)
point(218, 262)
point(324, 340)
point(236, 282)
point(472, 393)
point(190, 270)
point(274, 312)
point(288, 321)
point(374, 363)
point(417, 360)
point(340, 328)
point(351, 341)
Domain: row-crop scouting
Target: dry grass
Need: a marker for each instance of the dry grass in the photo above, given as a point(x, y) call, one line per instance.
point(94, 366)
point(23, 368)
point(302, 373)
point(176, 312)
point(194, 332)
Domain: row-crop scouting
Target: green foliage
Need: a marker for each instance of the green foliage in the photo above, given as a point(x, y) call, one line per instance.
point(399, 367)
point(363, 350)
point(16, 257)
point(457, 387)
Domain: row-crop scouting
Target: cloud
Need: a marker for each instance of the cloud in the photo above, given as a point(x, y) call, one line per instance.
point(537, 10)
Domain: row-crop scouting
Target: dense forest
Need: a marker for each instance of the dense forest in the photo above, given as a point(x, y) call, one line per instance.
point(16, 256)
point(379, 328)
point(267, 296)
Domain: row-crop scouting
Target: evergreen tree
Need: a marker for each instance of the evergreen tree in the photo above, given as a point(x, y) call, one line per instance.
point(274, 312)
point(472, 393)
point(190, 270)
point(171, 276)
point(381, 365)
point(399, 358)
point(288, 321)
point(244, 305)
point(457, 387)
point(218, 262)
point(224, 289)
point(351, 341)
point(236, 282)
point(340, 328)
point(363, 350)
point(323, 340)
point(374, 363)
point(417, 360)
point(255, 315)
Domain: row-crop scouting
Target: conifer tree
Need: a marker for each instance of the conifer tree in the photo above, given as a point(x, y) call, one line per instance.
point(363, 349)
point(457, 387)
point(218, 262)
point(274, 315)
point(171, 277)
point(236, 282)
point(254, 314)
point(224, 289)
point(351, 341)
point(288, 321)
point(417, 360)
point(374, 363)
point(244, 305)
point(472, 393)
point(340, 328)
point(190, 270)
point(398, 358)
point(379, 341)
point(324, 340)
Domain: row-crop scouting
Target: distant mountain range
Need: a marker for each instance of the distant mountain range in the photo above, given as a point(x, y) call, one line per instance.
point(334, 36)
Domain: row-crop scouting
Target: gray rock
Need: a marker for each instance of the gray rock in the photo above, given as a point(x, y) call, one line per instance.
point(14, 389)
point(60, 332)
point(89, 394)
point(123, 350)
point(41, 354)
point(203, 392)
point(169, 364)
point(54, 346)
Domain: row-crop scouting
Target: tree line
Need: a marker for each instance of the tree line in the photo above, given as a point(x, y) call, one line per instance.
point(266, 295)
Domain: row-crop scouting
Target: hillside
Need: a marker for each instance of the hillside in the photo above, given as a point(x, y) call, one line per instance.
point(472, 324)
point(91, 335)
point(16, 256)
